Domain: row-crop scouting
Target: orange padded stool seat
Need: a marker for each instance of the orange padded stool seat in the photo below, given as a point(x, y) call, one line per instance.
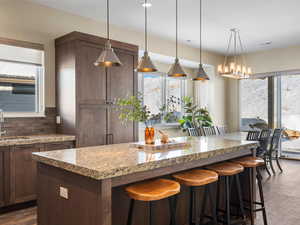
point(250, 161)
point(227, 168)
point(229, 171)
point(196, 177)
point(153, 190)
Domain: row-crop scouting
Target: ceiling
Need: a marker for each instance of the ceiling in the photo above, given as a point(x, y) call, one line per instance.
point(259, 21)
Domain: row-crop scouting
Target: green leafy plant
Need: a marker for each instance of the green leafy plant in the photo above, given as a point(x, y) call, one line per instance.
point(194, 116)
point(132, 109)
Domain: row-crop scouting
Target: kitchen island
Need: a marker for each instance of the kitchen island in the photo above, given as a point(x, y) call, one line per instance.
point(84, 186)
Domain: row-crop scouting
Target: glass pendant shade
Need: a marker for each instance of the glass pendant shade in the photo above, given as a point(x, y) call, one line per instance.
point(108, 57)
point(176, 70)
point(145, 64)
point(201, 74)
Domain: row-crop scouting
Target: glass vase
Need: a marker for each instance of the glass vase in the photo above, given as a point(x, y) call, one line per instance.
point(149, 135)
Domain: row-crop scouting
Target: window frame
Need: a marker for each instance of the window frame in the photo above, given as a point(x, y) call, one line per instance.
point(164, 76)
point(40, 87)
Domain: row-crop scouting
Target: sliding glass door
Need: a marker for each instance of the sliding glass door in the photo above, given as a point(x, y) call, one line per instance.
point(288, 112)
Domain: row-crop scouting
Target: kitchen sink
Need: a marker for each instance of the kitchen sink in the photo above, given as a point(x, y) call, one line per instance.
point(13, 138)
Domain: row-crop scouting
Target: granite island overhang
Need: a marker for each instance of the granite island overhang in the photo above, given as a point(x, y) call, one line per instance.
point(93, 177)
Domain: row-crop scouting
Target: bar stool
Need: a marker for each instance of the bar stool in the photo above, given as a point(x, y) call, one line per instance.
point(228, 170)
point(153, 190)
point(197, 178)
point(251, 163)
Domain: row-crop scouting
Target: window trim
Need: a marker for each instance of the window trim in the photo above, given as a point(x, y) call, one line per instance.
point(41, 77)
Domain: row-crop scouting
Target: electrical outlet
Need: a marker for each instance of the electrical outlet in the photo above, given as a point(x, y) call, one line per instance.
point(63, 192)
point(58, 120)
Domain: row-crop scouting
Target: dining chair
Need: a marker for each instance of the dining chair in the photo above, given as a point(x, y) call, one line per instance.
point(274, 149)
point(262, 149)
point(222, 130)
point(193, 131)
point(209, 131)
point(253, 135)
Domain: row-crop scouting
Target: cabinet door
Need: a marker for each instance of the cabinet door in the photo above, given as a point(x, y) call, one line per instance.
point(118, 132)
point(122, 80)
point(22, 173)
point(92, 125)
point(122, 83)
point(59, 146)
point(90, 79)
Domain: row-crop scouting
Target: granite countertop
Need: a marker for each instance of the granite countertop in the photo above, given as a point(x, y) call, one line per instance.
point(34, 139)
point(107, 161)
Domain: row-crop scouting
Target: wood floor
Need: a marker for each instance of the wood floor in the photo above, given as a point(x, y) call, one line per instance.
point(282, 195)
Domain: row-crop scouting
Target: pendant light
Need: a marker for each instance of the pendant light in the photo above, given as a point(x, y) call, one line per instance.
point(108, 57)
point(145, 64)
point(236, 68)
point(201, 74)
point(176, 69)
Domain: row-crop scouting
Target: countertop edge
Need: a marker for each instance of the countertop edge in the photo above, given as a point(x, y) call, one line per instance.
point(121, 171)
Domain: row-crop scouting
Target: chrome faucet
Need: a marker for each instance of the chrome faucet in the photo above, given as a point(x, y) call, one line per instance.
point(2, 132)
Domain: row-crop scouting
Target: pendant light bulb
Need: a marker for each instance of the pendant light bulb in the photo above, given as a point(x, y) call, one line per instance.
point(146, 65)
point(176, 69)
point(201, 74)
point(108, 57)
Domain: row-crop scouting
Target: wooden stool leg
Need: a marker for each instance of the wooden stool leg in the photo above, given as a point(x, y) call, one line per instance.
point(173, 207)
point(192, 193)
point(227, 196)
point(150, 213)
point(129, 219)
point(213, 205)
point(240, 196)
point(261, 194)
point(251, 200)
point(204, 203)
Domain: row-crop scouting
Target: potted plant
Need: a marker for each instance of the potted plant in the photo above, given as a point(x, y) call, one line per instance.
point(194, 116)
point(132, 109)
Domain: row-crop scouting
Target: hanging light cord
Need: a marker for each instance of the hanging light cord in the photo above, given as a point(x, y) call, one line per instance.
point(176, 29)
point(200, 32)
point(146, 27)
point(107, 18)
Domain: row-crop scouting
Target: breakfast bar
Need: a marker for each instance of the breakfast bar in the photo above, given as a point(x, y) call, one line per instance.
point(85, 186)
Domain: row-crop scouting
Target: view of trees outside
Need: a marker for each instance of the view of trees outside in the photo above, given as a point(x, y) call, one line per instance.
point(290, 108)
point(153, 92)
point(254, 102)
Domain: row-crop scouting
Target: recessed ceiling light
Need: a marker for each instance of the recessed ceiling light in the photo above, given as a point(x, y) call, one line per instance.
point(148, 4)
point(266, 43)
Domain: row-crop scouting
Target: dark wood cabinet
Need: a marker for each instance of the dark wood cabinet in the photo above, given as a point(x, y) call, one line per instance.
point(85, 93)
point(58, 145)
point(22, 173)
point(2, 176)
point(18, 171)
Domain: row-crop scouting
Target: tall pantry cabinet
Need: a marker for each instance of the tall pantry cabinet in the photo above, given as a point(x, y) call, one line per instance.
point(85, 93)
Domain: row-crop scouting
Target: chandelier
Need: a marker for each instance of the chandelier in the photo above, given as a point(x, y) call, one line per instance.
point(234, 65)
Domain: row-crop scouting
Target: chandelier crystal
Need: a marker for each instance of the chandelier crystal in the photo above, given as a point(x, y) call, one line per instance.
point(236, 66)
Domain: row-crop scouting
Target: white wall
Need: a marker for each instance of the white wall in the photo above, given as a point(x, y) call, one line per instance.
point(25, 21)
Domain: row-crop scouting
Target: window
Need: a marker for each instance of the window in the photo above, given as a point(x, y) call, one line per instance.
point(253, 104)
point(163, 96)
point(21, 80)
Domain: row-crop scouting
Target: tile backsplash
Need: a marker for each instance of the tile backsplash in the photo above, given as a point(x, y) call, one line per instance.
point(31, 125)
